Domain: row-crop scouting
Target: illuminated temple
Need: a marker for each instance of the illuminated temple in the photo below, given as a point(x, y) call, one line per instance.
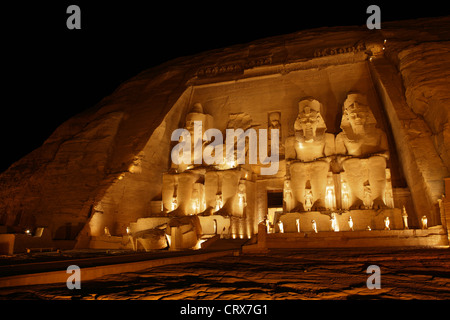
point(363, 160)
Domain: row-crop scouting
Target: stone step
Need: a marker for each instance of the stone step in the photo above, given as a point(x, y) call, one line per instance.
point(227, 244)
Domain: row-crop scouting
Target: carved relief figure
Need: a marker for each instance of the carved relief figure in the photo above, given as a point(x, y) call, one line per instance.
point(389, 197)
point(308, 199)
point(424, 221)
point(334, 222)
point(219, 202)
point(281, 226)
point(275, 123)
point(242, 198)
point(350, 223)
point(195, 199)
point(330, 198)
point(363, 151)
point(174, 203)
point(287, 195)
point(367, 196)
point(387, 223)
point(345, 198)
point(314, 225)
point(297, 224)
point(405, 218)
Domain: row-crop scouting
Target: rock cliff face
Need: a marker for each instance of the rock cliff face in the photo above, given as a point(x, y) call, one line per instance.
point(105, 165)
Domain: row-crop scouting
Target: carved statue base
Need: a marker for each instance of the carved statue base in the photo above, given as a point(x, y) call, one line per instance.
point(360, 220)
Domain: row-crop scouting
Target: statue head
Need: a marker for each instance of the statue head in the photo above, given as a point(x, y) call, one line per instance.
point(309, 121)
point(196, 114)
point(356, 113)
point(274, 119)
point(287, 184)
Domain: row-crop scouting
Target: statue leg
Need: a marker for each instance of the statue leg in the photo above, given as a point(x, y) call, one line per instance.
point(230, 189)
point(319, 173)
point(211, 188)
point(186, 181)
point(377, 179)
point(356, 174)
point(299, 176)
point(168, 190)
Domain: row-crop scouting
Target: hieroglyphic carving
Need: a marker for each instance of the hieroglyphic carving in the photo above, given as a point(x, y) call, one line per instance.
point(339, 50)
point(234, 67)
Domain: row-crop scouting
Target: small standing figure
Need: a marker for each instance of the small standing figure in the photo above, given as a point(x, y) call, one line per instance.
point(345, 196)
point(195, 201)
point(308, 199)
point(367, 197)
point(314, 225)
point(174, 204)
point(275, 124)
point(297, 224)
point(424, 222)
point(330, 199)
point(287, 195)
point(388, 194)
point(405, 218)
point(334, 222)
point(268, 225)
point(387, 222)
point(350, 223)
point(242, 198)
point(281, 226)
point(219, 202)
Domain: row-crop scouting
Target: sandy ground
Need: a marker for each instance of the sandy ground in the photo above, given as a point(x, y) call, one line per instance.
point(279, 274)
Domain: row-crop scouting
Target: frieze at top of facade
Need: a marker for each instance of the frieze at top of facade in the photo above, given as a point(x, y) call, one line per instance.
point(233, 67)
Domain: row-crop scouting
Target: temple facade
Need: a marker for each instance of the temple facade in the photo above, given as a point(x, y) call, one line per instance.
point(336, 173)
point(351, 125)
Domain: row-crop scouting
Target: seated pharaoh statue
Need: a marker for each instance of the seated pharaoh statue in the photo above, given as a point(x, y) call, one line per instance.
point(309, 154)
point(178, 193)
point(362, 151)
point(196, 137)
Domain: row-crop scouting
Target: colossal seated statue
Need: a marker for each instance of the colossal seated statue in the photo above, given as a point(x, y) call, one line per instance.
point(308, 152)
point(362, 150)
point(178, 194)
point(197, 143)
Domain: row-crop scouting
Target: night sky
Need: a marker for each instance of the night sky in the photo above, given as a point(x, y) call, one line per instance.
point(51, 73)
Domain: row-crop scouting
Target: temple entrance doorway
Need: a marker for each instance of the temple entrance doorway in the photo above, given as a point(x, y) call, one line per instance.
point(274, 207)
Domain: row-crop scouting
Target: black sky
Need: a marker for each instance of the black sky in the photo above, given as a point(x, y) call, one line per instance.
point(53, 73)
